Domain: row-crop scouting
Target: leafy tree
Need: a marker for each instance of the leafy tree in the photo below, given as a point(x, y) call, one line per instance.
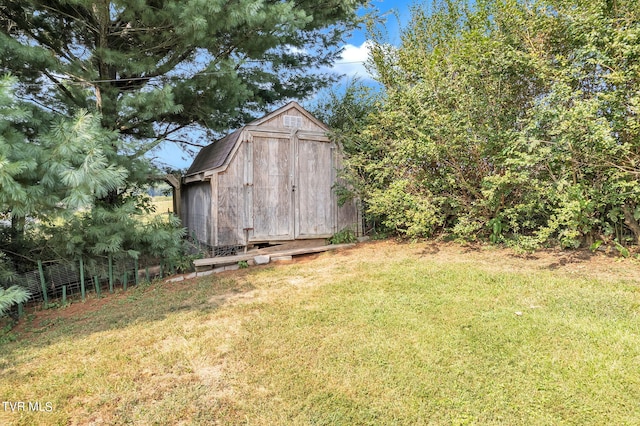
point(511, 120)
point(346, 111)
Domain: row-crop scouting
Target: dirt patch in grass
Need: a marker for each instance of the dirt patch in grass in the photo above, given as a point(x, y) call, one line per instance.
point(78, 311)
point(581, 263)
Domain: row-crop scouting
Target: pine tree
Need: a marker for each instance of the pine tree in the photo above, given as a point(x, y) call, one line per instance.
point(103, 83)
point(159, 70)
point(12, 296)
point(62, 165)
point(50, 169)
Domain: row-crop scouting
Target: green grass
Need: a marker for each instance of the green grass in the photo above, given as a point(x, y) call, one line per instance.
point(376, 335)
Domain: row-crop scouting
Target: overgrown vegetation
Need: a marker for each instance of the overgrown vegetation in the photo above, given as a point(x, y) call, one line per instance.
point(514, 121)
point(344, 236)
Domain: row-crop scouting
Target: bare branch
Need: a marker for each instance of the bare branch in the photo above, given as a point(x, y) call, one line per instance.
point(67, 55)
point(182, 141)
point(62, 88)
point(35, 101)
point(44, 6)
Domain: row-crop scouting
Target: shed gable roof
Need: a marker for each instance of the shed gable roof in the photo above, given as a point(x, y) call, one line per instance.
point(216, 153)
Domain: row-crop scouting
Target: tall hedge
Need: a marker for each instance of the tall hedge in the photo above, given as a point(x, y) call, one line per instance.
point(506, 120)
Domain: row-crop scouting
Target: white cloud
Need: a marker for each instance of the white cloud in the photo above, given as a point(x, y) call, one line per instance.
point(353, 59)
point(294, 49)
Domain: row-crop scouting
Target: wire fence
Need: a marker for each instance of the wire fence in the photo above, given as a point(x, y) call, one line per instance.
point(199, 237)
point(60, 281)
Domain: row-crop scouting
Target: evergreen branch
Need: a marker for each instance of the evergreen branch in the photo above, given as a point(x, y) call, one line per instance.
point(140, 29)
point(19, 255)
point(28, 30)
point(12, 296)
point(170, 64)
point(159, 139)
point(31, 99)
point(168, 132)
point(62, 88)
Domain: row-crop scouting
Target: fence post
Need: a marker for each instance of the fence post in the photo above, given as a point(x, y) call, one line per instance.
point(43, 284)
point(135, 266)
point(82, 289)
point(96, 283)
point(110, 273)
point(124, 281)
point(146, 271)
point(161, 269)
point(64, 295)
point(20, 310)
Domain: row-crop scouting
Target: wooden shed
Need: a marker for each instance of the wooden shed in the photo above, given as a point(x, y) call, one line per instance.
point(270, 181)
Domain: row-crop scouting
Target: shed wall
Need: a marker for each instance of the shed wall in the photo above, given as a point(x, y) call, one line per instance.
point(231, 202)
point(350, 213)
point(196, 211)
point(277, 122)
point(349, 217)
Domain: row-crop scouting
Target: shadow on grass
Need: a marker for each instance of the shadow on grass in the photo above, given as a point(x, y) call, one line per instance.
point(568, 257)
point(143, 303)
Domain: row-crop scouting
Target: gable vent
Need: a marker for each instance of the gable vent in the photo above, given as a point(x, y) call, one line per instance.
point(292, 121)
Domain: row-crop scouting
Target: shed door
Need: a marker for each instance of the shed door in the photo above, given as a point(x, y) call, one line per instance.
point(313, 193)
point(272, 189)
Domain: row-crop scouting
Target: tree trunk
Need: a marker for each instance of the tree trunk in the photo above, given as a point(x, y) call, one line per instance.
point(17, 227)
point(631, 221)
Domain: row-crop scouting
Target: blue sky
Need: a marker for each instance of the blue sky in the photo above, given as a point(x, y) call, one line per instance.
point(397, 14)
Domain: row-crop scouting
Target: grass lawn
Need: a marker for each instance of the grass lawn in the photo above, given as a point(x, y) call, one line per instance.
point(384, 333)
point(163, 204)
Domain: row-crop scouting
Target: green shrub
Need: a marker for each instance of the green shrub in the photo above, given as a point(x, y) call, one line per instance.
point(345, 236)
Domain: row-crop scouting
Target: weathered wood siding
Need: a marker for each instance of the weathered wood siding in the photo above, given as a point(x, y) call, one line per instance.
point(350, 217)
point(315, 213)
point(278, 122)
point(231, 205)
point(276, 183)
point(196, 211)
point(272, 188)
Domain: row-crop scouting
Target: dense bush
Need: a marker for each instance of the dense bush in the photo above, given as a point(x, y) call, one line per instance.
point(510, 121)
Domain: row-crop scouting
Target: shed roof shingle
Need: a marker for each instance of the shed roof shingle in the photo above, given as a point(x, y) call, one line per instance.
point(214, 154)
